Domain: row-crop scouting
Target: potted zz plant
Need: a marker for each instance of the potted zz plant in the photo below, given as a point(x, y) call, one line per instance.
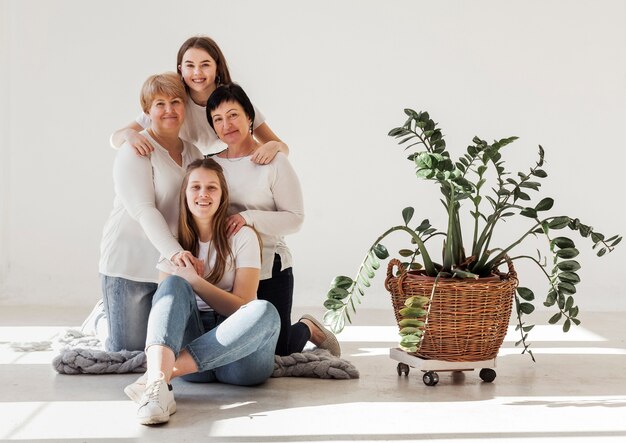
point(459, 309)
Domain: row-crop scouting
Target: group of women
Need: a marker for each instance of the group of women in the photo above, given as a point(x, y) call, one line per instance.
point(194, 266)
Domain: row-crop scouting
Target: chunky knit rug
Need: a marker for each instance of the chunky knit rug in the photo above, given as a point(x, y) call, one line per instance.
point(84, 354)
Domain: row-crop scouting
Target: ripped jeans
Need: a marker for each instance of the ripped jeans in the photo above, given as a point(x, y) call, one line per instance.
point(238, 349)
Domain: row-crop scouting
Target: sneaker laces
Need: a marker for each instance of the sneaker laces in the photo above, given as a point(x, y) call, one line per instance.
point(152, 391)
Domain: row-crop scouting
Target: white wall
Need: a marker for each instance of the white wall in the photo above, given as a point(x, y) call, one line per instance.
point(332, 77)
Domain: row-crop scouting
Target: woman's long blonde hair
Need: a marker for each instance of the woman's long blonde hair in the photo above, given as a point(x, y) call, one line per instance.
point(188, 234)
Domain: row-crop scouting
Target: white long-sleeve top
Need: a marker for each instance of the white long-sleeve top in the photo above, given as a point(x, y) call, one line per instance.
point(144, 219)
point(269, 198)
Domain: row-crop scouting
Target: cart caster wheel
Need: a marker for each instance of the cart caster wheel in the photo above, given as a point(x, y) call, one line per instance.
point(487, 375)
point(430, 378)
point(403, 368)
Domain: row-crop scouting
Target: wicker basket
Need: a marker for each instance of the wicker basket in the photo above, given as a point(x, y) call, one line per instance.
point(466, 319)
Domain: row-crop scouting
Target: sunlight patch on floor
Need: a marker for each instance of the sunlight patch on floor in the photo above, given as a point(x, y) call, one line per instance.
point(546, 414)
point(68, 420)
point(9, 334)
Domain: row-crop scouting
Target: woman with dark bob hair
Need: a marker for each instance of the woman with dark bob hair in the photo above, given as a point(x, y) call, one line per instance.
point(269, 199)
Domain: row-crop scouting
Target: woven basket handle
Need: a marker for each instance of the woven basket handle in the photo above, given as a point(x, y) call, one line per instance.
point(398, 264)
point(512, 273)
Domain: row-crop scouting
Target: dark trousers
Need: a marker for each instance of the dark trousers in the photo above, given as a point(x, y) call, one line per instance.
point(278, 290)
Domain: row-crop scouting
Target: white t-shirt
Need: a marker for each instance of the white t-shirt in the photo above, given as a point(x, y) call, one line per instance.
point(196, 128)
point(144, 219)
point(269, 198)
point(246, 250)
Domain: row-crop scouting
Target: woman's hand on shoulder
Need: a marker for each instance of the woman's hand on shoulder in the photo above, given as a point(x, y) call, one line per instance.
point(185, 256)
point(265, 153)
point(234, 224)
point(139, 143)
point(130, 134)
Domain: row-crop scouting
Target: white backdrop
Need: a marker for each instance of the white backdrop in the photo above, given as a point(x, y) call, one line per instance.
point(332, 77)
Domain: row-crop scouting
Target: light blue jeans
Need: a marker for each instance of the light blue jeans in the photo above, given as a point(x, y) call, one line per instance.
point(237, 350)
point(127, 306)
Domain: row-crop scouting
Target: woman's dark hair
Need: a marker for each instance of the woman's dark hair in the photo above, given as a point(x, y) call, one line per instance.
point(230, 92)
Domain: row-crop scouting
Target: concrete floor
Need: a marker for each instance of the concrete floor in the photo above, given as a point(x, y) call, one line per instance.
point(575, 392)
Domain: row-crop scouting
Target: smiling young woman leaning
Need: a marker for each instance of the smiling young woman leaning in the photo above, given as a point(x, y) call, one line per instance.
point(206, 326)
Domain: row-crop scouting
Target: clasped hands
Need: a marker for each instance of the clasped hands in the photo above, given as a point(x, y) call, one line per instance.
point(187, 266)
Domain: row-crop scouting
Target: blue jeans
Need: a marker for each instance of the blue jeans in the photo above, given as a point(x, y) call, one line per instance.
point(237, 350)
point(127, 305)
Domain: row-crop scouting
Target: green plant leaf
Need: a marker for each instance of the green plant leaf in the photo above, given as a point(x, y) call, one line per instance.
point(568, 265)
point(334, 320)
point(584, 230)
point(341, 281)
point(526, 308)
point(407, 214)
point(563, 242)
point(529, 212)
point(380, 251)
point(619, 239)
point(526, 294)
point(405, 252)
point(559, 222)
point(539, 173)
point(337, 293)
point(425, 224)
point(368, 266)
point(550, 298)
point(567, 253)
point(555, 318)
point(366, 272)
point(396, 132)
point(362, 279)
point(333, 304)
point(601, 252)
point(545, 204)
point(569, 303)
point(532, 185)
point(567, 325)
point(373, 261)
point(597, 237)
point(570, 277)
point(424, 173)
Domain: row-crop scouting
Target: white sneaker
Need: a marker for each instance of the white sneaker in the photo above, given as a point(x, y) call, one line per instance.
point(157, 403)
point(135, 390)
point(90, 325)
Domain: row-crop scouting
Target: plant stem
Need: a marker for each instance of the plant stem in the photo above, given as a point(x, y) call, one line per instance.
point(429, 267)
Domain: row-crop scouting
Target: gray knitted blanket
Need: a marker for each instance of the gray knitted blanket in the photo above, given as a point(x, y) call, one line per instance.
point(84, 354)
